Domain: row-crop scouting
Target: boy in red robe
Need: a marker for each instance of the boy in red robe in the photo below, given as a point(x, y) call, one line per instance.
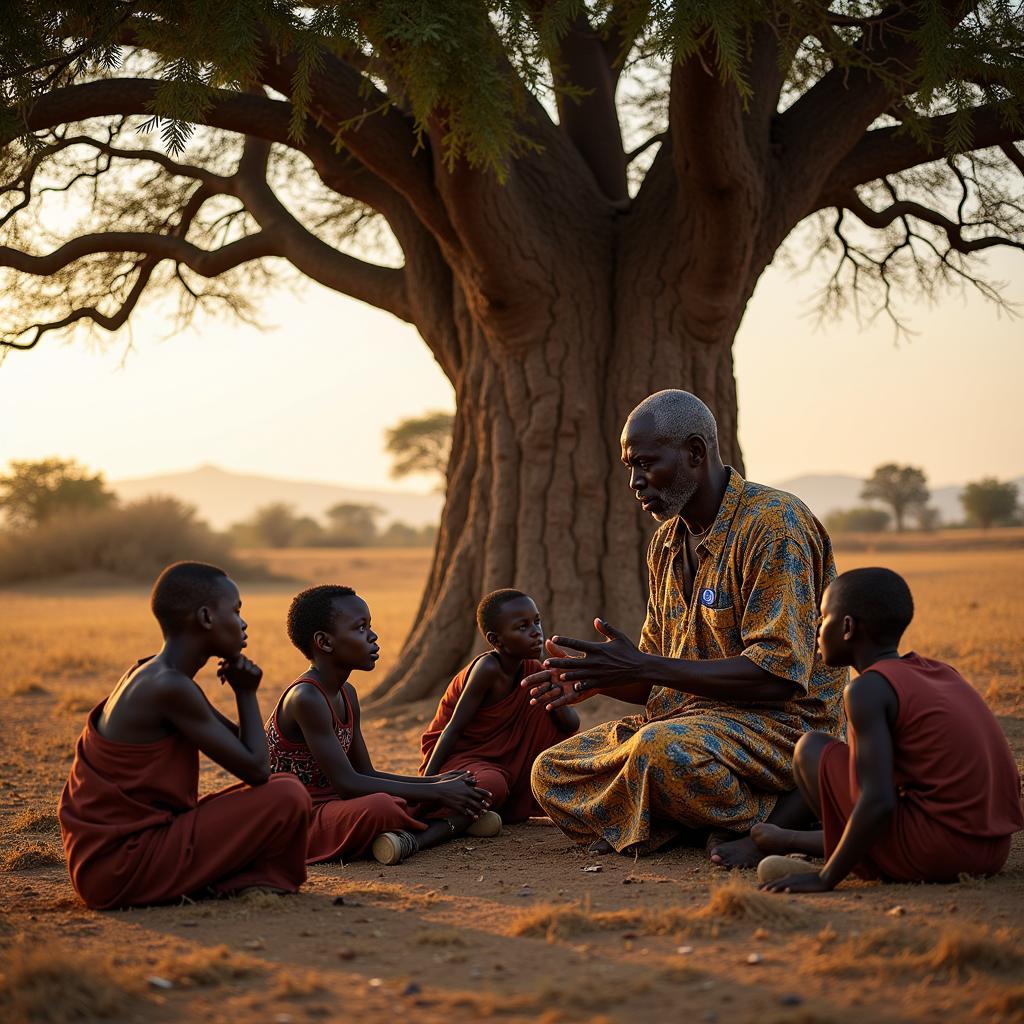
point(927, 788)
point(314, 733)
point(486, 722)
point(134, 831)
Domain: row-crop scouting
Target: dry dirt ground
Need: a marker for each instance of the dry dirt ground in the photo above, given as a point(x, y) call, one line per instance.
point(515, 928)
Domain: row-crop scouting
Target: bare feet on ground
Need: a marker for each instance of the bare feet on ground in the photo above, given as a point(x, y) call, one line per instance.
point(734, 853)
point(600, 847)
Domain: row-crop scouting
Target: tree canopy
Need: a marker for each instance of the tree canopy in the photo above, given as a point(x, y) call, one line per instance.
point(33, 493)
point(421, 445)
point(903, 488)
point(989, 501)
point(920, 103)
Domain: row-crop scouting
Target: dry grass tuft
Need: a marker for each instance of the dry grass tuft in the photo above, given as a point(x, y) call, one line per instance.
point(50, 985)
point(729, 903)
point(735, 901)
point(976, 949)
point(29, 857)
point(78, 702)
point(896, 951)
point(36, 821)
point(296, 984)
point(27, 690)
point(1007, 1006)
point(217, 966)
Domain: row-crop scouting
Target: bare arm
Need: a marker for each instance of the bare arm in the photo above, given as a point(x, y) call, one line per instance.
point(871, 707)
point(359, 755)
point(481, 679)
point(314, 719)
point(242, 751)
point(612, 667)
point(870, 704)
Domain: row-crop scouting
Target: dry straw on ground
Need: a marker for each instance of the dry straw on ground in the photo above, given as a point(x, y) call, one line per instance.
point(51, 985)
point(732, 902)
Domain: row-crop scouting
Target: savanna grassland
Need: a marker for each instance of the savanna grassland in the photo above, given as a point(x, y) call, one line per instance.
point(515, 928)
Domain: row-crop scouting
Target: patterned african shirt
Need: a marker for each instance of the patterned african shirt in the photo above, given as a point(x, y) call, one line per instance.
point(764, 566)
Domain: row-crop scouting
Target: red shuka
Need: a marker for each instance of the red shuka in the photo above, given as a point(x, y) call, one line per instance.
point(339, 828)
point(500, 744)
point(959, 788)
point(135, 832)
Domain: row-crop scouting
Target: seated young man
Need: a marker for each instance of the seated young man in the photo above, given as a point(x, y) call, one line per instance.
point(486, 722)
point(315, 733)
point(134, 831)
point(927, 788)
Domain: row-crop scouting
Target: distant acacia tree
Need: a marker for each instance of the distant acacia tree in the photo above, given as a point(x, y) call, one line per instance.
point(572, 201)
point(858, 520)
point(421, 445)
point(903, 488)
point(987, 501)
point(34, 492)
point(352, 525)
point(276, 525)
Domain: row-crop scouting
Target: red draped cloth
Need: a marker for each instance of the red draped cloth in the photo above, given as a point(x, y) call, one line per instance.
point(135, 832)
point(499, 745)
point(339, 828)
point(958, 785)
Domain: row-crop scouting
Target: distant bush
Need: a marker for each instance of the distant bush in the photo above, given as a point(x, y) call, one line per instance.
point(134, 542)
point(858, 520)
point(347, 526)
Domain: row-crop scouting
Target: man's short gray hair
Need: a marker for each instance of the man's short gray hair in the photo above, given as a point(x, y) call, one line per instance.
point(677, 415)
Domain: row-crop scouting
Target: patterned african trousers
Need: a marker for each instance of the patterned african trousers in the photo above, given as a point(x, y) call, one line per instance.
point(640, 783)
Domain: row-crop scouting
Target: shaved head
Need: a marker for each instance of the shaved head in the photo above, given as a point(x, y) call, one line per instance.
point(675, 416)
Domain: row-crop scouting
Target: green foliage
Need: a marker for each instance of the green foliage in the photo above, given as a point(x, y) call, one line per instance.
point(902, 488)
point(858, 520)
point(421, 444)
point(476, 66)
point(134, 542)
point(351, 525)
point(988, 502)
point(36, 492)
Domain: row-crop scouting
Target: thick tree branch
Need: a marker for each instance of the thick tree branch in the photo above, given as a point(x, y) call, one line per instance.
point(827, 121)
point(384, 287)
point(205, 262)
point(886, 151)
point(110, 322)
point(903, 208)
point(357, 115)
point(592, 121)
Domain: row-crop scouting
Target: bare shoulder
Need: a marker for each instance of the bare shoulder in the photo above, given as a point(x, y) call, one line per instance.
point(868, 693)
point(485, 672)
point(163, 683)
point(352, 697)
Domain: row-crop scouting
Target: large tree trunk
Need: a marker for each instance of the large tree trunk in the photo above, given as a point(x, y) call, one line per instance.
point(537, 497)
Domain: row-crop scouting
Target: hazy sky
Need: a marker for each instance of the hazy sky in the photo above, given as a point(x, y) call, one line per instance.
point(310, 397)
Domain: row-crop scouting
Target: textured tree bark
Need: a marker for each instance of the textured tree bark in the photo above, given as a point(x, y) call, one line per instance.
point(537, 497)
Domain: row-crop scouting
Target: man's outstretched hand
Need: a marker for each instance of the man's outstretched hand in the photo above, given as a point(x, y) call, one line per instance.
point(604, 665)
point(615, 661)
point(549, 689)
point(810, 882)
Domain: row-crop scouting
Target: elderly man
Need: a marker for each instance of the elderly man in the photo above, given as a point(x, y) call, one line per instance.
point(727, 667)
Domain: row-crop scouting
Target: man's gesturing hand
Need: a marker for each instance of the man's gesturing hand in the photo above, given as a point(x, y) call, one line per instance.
point(548, 687)
point(613, 662)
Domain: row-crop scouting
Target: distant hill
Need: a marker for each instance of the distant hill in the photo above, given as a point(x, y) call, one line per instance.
point(827, 492)
point(223, 498)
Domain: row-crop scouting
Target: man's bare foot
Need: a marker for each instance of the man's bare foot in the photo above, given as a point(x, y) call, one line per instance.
point(734, 853)
point(772, 839)
point(600, 847)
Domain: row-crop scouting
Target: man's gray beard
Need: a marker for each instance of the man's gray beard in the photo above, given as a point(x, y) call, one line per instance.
point(675, 498)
